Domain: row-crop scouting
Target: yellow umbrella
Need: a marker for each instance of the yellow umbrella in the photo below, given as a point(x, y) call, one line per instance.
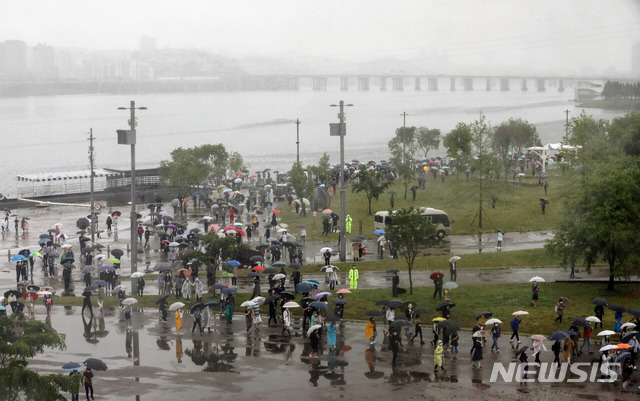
point(438, 319)
point(425, 168)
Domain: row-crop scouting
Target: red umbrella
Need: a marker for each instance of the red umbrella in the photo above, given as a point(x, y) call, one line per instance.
point(164, 241)
point(436, 274)
point(258, 268)
point(213, 227)
point(274, 211)
point(230, 228)
point(30, 296)
point(186, 272)
point(116, 213)
point(242, 234)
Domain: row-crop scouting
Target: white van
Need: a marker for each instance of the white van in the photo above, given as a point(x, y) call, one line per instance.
point(437, 217)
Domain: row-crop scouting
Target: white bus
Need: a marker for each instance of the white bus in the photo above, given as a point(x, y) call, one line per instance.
point(437, 217)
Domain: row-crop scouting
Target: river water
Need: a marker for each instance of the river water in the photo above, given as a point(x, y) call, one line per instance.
point(42, 134)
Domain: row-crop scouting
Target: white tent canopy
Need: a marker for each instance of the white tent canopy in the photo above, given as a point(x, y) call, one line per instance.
point(543, 151)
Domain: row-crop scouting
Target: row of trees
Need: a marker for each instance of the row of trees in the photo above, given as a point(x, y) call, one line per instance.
point(619, 90)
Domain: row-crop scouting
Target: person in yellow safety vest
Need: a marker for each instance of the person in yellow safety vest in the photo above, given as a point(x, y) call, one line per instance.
point(347, 223)
point(353, 278)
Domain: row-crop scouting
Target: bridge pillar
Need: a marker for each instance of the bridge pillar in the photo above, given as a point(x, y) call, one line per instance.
point(433, 84)
point(417, 84)
point(488, 85)
point(504, 85)
point(363, 84)
point(383, 83)
point(468, 84)
point(523, 86)
point(292, 84)
point(319, 84)
point(561, 86)
point(452, 85)
point(398, 84)
point(344, 84)
point(540, 85)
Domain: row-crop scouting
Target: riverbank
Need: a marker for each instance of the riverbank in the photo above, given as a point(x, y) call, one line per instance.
point(613, 104)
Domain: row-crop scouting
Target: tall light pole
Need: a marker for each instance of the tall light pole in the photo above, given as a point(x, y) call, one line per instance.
point(91, 164)
point(128, 137)
point(297, 141)
point(341, 131)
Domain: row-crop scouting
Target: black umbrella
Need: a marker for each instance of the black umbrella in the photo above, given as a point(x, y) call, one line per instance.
point(558, 335)
point(197, 306)
point(18, 306)
point(84, 239)
point(374, 313)
point(634, 311)
point(33, 287)
point(98, 246)
point(600, 301)
point(162, 267)
point(580, 322)
point(449, 325)
point(271, 298)
point(228, 291)
point(420, 311)
point(295, 266)
point(82, 223)
point(257, 258)
point(394, 304)
point(383, 302)
point(162, 299)
point(627, 337)
point(45, 236)
point(287, 295)
point(270, 270)
point(393, 271)
point(340, 301)
point(400, 323)
point(445, 304)
point(95, 364)
point(616, 308)
point(86, 250)
point(217, 286)
point(521, 350)
point(485, 315)
point(211, 303)
point(304, 287)
point(117, 253)
point(67, 260)
point(17, 293)
point(332, 319)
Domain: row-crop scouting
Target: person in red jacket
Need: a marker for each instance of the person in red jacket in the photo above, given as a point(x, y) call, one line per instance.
point(586, 338)
point(88, 384)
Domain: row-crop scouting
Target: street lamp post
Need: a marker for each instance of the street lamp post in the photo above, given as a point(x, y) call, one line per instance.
point(342, 132)
point(297, 141)
point(128, 137)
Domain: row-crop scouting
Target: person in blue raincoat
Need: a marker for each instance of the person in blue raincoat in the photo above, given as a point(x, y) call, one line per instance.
point(618, 324)
point(331, 335)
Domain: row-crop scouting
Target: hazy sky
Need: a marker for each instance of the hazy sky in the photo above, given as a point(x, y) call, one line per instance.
point(594, 34)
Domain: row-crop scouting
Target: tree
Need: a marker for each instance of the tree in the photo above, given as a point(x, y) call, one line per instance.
point(458, 144)
point(302, 186)
point(215, 249)
point(370, 183)
point(235, 163)
point(510, 139)
point(603, 223)
point(427, 139)
point(403, 147)
point(184, 171)
point(21, 339)
point(409, 233)
point(217, 158)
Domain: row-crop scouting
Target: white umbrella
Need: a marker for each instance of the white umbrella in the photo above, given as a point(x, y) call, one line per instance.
point(284, 225)
point(608, 347)
point(279, 276)
point(381, 238)
point(129, 301)
point(607, 333)
point(329, 270)
point(100, 257)
point(176, 306)
point(537, 279)
point(323, 250)
point(454, 259)
point(492, 321)
point(259, 300)
point(237, 180)
point(207, 218)
point(39, 293)
point(592, 319)
point(248, 304)
point(137, 274)
point(630, 325)
point(174, 244)
point(291, 304)
point(238, 224)
point(282, 230)
point(66, 246)
point(520, 312)
point(313, 328)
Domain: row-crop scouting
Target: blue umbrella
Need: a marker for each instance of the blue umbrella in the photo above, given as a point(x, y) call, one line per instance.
point(313, 282)
point(233, 263)
point(254, 274)
point(340, 301)
point(318, 305)
point(304, 287)
point(558, 335)
point(44, 241)
point(70, 366)
point(228, 291)
point(18, 258)
point(379, 231)
point(100, 283)
point(211, 303)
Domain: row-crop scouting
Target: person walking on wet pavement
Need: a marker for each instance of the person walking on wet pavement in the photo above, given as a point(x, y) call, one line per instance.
point(453, 270)
point(88, 382)
point(559, 310)
point(370, 331)
point(86, 302)
point(534, 294)
point(197, 284)
point(286, 321)
point(353, 278)
point(476, 350)
point(499, 245)
point(163, 310)
point(515, 325)
point(599, 312)
point(206, 318)
point(418, 329)
point(178, 317)
point(66, 274)
point(437, 282)
point(543, 204)
point(229, 303)
point(140, 286)
point(327, 257)
point(395, 281)
point(437, 358)
point(395, 342)
point(197, 321)
point(495, 334)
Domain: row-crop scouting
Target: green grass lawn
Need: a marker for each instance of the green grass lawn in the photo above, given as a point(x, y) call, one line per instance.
point(517, 207)
point(470, 300)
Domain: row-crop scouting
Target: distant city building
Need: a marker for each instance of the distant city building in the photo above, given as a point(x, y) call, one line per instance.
point(43, 63)
point(13, 61)
point(635, 60)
